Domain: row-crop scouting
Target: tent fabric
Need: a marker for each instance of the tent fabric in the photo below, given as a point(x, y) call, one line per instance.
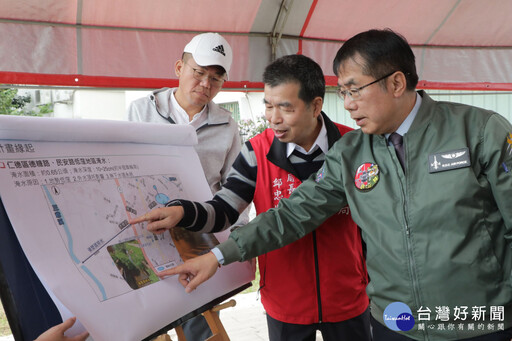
point(134, 43)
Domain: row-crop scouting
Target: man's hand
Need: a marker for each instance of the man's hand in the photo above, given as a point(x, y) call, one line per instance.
point(194, 271)
point(56, 333)
point(161, 219)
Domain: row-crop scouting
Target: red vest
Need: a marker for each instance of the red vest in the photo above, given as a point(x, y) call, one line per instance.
point(319, 278)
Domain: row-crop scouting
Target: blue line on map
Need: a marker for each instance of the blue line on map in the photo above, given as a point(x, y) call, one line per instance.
point(70, 247)
point(66, 229)
point(98, 283)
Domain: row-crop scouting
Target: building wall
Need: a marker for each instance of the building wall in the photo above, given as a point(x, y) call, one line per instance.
point(112, 104)
point(99, 104)
point(500, 102)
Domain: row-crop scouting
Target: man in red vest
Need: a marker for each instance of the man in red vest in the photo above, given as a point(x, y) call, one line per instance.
point(319, 281)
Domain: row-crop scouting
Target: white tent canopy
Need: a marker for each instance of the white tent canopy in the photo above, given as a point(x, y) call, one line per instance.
point(459, 44)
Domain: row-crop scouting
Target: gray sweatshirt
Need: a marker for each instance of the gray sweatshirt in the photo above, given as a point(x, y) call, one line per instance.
point(218, 138)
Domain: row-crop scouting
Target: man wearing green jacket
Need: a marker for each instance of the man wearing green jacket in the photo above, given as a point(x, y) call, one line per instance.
point(434, 203)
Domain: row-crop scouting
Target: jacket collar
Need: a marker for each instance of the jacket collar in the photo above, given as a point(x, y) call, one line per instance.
point(424, 116)
point(422, 119)
point(277, 151)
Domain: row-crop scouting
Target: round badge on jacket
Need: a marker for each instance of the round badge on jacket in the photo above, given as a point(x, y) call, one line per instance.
point(367, 176)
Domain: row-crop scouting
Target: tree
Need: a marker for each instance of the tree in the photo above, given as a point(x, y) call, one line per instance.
point(250, 128)
point(13, 104)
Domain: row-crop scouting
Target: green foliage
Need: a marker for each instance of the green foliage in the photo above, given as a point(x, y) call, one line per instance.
point(4, 324)
point(45, 108)
point(13, 104)
point(250, 128)
point(6, 101)
point(18, 102)
point(121, 255)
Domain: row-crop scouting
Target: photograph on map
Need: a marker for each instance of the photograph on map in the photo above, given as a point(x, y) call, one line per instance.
point(131, 263)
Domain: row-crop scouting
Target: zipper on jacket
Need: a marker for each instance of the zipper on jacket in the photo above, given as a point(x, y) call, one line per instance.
point(410, 256)
point(210, 125)
point(412, 263)
point(263, 276)
point(317, 277)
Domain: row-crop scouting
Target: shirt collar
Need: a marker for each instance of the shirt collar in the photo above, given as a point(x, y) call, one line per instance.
point(182, 117)
point(320, 142)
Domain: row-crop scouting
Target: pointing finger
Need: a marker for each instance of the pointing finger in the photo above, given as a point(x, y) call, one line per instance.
point(139, 219)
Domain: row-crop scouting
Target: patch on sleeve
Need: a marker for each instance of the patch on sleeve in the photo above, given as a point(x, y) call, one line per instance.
point(320, 174)
point(505, 168)
point(509, 141)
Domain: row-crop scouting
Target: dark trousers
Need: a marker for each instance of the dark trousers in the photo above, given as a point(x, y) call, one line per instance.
point(357, 328)
point(382, 333)
point(196, 329)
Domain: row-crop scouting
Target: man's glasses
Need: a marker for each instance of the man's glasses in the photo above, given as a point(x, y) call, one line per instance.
point(201, 75)
point(355, 93)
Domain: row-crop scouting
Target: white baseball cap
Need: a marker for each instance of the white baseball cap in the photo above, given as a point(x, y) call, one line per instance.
point(210, 49)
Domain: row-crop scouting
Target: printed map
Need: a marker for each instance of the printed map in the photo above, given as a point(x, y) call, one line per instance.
point(114, 256)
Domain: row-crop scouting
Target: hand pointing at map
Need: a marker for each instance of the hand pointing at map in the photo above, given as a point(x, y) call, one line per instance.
point(160, 219)
point(194, 271)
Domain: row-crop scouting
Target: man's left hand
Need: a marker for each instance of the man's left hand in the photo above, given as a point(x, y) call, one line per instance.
point(194, 271)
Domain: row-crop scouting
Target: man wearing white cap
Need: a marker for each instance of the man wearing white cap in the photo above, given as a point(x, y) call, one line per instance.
point(202, 70)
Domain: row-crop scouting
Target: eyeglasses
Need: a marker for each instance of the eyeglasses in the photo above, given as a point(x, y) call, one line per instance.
point(355, 94)
point(200, 75)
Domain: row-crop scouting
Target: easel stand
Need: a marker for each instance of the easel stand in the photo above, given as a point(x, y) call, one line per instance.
point(213, 320)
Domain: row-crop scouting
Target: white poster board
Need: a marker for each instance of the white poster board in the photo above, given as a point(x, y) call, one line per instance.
point(69, 188)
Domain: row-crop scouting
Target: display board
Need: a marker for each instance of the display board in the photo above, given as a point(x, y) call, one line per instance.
point(70, 187)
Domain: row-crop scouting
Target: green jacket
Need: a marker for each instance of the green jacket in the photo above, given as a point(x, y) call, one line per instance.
point(434, 238)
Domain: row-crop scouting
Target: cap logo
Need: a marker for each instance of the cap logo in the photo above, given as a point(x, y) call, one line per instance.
point(219, 49)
